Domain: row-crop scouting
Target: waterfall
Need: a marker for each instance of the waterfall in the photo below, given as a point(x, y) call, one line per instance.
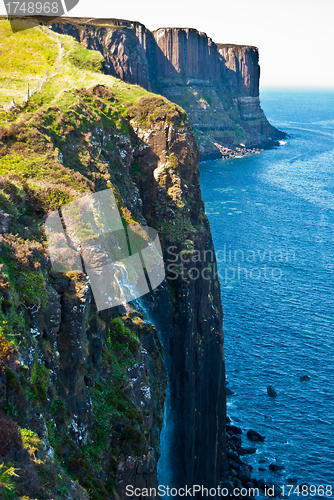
point(165, 463)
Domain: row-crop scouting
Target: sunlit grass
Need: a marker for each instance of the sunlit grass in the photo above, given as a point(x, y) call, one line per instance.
point(25, 56)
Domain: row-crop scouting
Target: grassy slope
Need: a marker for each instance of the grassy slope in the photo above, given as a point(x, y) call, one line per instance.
point(48, 157)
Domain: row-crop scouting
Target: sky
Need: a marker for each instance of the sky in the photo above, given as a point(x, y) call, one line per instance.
point(295, 37)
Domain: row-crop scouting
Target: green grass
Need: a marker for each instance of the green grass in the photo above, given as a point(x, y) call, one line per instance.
point(82, 58)
point(25, 56)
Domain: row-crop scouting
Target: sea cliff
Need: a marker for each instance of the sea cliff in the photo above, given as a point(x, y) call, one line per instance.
point(83, 392)
point(216, 84)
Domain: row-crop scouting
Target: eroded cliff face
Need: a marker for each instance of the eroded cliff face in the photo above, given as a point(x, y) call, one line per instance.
point(90, 386)
point(125, 45)
point(217, 85)
point(241, 68)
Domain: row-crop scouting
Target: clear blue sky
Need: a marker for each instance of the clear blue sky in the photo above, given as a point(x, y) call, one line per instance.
point(295, 37)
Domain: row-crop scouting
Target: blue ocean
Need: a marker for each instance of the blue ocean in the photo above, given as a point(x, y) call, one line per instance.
point(272, 220)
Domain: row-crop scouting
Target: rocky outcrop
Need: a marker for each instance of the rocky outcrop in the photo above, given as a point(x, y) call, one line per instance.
point(125, 45)
point(190, 324)
point(241, 68)
point(217, 84)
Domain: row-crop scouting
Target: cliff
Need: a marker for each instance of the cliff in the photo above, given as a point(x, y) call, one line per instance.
point(216, 84)
point(82, 392)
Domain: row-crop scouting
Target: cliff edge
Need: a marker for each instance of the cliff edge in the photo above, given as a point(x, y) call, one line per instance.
point(216, 84)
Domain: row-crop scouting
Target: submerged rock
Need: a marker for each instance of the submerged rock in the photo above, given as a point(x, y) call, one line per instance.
point(254, 436)
point(305, 378)
point(275, 467)
point(247, 451)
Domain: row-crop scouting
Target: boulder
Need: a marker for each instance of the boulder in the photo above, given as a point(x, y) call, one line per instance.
point(247, 451)
point(227, 485)
point(234, 440)
point(271, 392)
point(276, 466)
point(234, 456)
point(261, 484)
point(254, 436)
point(292, 480)
point(244, 474)
point(233, 429)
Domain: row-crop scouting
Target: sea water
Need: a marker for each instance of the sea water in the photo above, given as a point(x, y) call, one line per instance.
point(272, 220)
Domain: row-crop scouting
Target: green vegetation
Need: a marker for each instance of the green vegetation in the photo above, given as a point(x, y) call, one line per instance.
point(39, 381)
point(30, 441)
point(178, 229)
point(65, 142)
point(7, 486)
point(25, 56)
point(82, 58)
point(148, 110)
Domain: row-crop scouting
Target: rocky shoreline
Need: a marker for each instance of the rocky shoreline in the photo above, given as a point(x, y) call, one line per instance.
point(236, 152)
point(239, 473)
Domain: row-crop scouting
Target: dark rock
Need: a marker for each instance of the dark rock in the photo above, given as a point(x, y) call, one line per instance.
point(121, 310)
point(228, 420)
point(89, 381)
point(261, 484)
point(244, 474)
point(305, 378)
point(233, 429)
point(277, 490)
point(262, 469)
point(234, 465)
point(227, 485)
point(271, 392)
point(61, 284)
point(292, 480)
point(234, 440)
point(275, 467)
point(233, 456)
point(229, 392)
point(247, 451)
point(254, 436)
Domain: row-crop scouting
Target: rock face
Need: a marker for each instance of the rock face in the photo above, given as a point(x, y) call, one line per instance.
point(124, 45)
point(217, 84)
point(191, 324)
point(92, 384)
point(242, 68)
